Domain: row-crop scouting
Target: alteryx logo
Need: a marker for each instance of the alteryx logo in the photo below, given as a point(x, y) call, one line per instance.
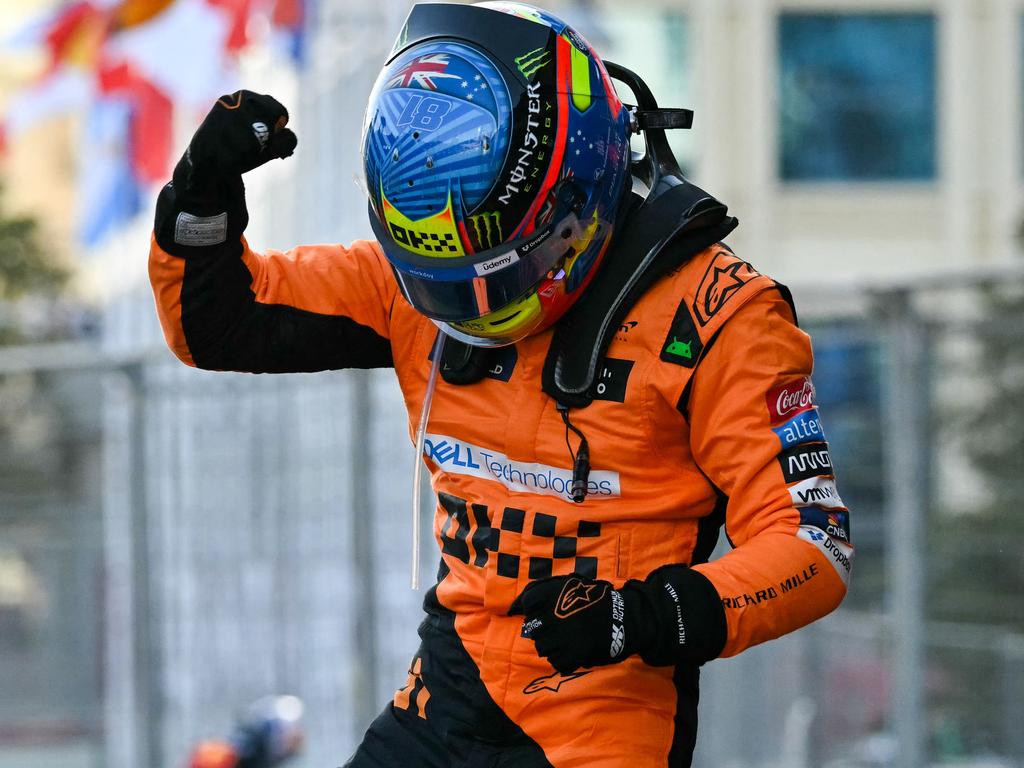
point(462, 458)
point(804, 428)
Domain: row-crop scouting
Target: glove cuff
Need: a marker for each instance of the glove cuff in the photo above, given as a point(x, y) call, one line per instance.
point(674, 616)
point(194, 215)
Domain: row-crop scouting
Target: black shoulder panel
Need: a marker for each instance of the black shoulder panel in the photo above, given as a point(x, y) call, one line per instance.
point(787, 296)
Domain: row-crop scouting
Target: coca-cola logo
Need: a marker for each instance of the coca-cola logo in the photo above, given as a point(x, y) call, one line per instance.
point(790, 400)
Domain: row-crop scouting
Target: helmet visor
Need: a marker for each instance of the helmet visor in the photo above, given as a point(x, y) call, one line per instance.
point(470, 287)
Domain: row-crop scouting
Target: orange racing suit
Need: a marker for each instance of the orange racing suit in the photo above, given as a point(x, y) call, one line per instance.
point(704, 414)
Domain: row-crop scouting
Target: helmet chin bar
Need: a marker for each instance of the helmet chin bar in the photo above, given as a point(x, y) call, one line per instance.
point(473, 341)
point(658, 168)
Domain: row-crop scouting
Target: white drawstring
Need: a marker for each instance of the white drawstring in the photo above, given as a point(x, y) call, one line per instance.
point(417, 475)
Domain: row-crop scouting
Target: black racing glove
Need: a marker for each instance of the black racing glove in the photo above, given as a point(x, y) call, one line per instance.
point(674, 616)
point(577, 622)
point(205, 203)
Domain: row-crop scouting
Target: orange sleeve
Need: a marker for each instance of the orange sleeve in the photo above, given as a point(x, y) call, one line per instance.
point(756, 433)
point(311, 308)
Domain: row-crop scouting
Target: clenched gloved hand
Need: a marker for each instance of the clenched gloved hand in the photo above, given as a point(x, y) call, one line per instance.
point(674, 616)
point(576, 622)
point(204, 205)
point(243, 131)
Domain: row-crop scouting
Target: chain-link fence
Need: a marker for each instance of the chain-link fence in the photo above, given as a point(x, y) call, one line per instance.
point(174, 544)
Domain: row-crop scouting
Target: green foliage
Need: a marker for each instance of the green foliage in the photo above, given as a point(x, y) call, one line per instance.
point(25, 265)
point(978, 555)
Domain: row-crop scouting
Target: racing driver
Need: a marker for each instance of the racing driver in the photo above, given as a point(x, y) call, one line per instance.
point(610, 386)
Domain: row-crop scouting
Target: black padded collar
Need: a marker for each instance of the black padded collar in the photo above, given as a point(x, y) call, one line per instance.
point(659, 236)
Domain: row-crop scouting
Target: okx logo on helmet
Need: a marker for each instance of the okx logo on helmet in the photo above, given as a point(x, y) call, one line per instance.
point(497, 156)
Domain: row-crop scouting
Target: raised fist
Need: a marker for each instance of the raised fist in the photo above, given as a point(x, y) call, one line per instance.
point(243, 131)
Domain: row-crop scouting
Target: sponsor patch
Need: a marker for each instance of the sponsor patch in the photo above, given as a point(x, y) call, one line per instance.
point(200, 230)
point(804, 428)
point(819, 490)
point(805, 461)
point(618, 625)
point(837, 552)
point(553, 682)
point(722, 280)
point(497, 263)
point(611, 384)
point(577, 596)
point(462, 458)
point(790, 399)
point(682, 346)
point(834, 522)
point(505, 359)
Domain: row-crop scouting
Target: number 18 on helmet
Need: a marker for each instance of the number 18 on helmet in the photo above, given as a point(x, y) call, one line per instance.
point(496, 154)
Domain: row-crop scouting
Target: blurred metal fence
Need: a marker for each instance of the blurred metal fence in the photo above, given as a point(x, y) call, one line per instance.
point(174, 544)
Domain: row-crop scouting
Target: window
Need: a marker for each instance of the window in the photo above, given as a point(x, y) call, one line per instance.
point(653, 42)
point(857, 97)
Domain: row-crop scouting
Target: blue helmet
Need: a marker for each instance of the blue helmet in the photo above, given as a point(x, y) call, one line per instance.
point(496, 154)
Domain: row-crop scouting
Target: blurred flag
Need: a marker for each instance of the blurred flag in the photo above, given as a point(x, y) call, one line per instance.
point(129, 64)
point(150, 120)
point(289, 22)
point(182, 50)
point(73, 38)
point(109, 194)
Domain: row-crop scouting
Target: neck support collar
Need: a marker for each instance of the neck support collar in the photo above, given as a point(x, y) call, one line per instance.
point(675, 221)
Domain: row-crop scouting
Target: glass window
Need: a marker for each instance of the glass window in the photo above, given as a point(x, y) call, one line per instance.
point(857, 97)
point(654, 43)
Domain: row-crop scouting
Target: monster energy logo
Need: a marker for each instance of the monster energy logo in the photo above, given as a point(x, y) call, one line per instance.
point(530, 63)
point(488, 228)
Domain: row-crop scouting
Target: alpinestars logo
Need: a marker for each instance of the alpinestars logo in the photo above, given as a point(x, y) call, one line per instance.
point(577, 596)
point(552, 682)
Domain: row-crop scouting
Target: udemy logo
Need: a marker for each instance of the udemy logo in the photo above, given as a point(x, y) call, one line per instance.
point(791, 399)
point(462, 458)
point(804, 428)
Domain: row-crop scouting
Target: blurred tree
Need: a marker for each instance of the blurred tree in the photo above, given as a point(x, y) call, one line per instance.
point(982, 567)
point(27, 268)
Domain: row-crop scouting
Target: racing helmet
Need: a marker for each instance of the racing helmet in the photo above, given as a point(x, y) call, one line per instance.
point(496, 155)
